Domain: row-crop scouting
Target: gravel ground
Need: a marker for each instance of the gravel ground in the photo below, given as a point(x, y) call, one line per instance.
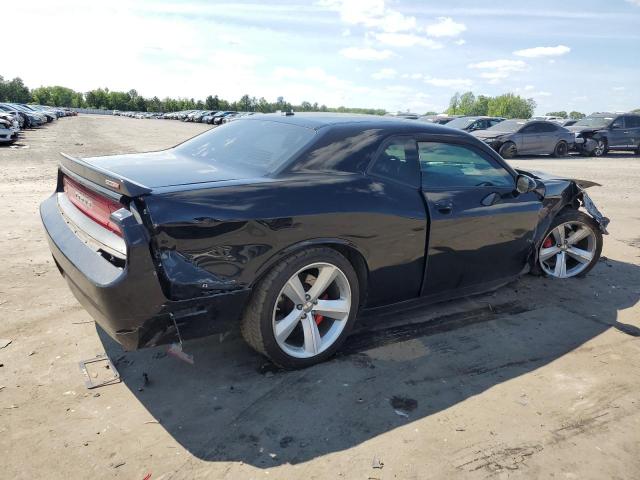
point(538, 380)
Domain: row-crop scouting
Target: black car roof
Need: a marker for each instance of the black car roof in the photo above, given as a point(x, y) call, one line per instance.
point(317, 121)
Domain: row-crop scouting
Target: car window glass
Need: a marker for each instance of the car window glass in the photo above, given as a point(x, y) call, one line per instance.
point(397, 161)
point(633, 122)
point(547, 127)
point(618, 123)
point(530, 129)
point(449, 165)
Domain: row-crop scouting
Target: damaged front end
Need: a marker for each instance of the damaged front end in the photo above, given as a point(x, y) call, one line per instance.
point(557, 195)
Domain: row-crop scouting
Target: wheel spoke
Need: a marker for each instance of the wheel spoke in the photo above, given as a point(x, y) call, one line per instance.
point(547, 253)
point(560, 269)
point(578, 235)
point(583, 256)
point(332, 308)
point(326, 276)
point(285, 326)
point(294, 290)
point(558, 234)
point(312, 339)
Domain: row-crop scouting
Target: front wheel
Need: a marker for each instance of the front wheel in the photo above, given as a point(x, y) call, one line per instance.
point(303, 310)
point(508, 150)
point(571, 247)
point(601, 148)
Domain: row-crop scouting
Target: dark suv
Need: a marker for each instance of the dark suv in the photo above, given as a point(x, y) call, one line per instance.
point(600, 132)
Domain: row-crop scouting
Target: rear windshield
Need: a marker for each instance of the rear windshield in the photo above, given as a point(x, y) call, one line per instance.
point(593, 122)
point(508, 126)
point(259, 146)
point(460, 122)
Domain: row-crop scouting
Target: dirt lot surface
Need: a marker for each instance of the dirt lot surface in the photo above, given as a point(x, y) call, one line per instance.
point(539, 380)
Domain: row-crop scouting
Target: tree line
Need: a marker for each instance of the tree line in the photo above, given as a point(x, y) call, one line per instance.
point(103, 98)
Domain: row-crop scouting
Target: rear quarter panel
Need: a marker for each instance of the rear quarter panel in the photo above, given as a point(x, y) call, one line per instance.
point(231, 235)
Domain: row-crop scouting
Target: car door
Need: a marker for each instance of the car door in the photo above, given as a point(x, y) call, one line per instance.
point(530, 138)
point(632, 124)
point(618, 134)
point(550, 135)
point(480, 228)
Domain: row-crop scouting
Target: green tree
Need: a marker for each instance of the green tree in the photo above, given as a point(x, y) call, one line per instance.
point(454, 104)
point(510, 105)
point(481, 106)
point(561, 114)
point(15, 91)
point(467, 103)
point(573, 115)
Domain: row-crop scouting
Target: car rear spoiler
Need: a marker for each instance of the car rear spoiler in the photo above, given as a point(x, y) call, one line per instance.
point(102, 177)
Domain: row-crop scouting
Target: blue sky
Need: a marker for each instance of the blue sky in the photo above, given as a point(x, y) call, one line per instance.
point(393, 54)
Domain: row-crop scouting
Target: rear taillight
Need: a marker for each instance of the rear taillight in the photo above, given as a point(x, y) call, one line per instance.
point(92, 204)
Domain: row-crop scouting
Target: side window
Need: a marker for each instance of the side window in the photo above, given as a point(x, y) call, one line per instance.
point(618, 123)
point(633, 122)
point(530, 129)
point(449, 165)
point(547, 127)
point(398, 161)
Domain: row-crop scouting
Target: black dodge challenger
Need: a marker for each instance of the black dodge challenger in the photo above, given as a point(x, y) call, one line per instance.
point(292, 224)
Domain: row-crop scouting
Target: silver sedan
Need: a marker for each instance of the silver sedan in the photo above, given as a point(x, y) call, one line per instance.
point(527, 137)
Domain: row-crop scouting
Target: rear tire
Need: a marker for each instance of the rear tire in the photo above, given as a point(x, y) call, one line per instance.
point(508, 150)
point(561, 150)
point(310, 337)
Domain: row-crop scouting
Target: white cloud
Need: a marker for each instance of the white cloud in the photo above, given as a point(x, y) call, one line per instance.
point(502, 64)
point(634, 2)
point(542, 94)
point(497, 70)
point(371, 14)
point(537, 52)
point(445, 27)
point(385, 74)
point(449, 82)
point(365, 53)
point(529, 88)
point(620, 89)
point(462, 41)
point(406, 40)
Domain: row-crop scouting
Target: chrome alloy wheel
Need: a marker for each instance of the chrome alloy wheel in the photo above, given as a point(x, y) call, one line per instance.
point(600, 148)
point(567, 250)
point(312, 310)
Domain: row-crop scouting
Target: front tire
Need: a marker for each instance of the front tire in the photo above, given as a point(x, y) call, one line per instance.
point(601, 148)
point(571, 247)
point(508, 150)
point(301, 312)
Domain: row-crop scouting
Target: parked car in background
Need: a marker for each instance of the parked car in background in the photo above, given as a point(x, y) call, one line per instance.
point(470, 124)
point(527, 137)
point(550, 118)
point(599, 133)
point(271, 223)
point(568, 123)
point(220, 116)
point(35, 119)
point(440, 119)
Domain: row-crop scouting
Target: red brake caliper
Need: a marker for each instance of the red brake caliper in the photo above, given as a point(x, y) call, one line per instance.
point(548, 243)
point(319, 318)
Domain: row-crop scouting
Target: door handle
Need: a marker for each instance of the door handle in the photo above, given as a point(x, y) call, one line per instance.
point(445, 207)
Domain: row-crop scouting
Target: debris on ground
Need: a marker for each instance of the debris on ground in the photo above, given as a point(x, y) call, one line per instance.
point(403, 405)
point(377, 463)
point(175, 349)
point(109, 378)
point(4, 342)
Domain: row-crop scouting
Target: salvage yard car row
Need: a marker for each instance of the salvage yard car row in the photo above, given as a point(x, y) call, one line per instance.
point(211, 117)
point(594, 135)
point(15, 117)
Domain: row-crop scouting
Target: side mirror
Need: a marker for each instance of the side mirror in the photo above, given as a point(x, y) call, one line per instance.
point(525, 184)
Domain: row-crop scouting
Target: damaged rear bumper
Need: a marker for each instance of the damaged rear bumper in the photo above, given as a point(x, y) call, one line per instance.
point(128, 302)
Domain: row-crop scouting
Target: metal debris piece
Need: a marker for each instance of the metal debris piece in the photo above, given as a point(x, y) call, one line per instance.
point(102, 358)
point(4, 342)
point(377, 463)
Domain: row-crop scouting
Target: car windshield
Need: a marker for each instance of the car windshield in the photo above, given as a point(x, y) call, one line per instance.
point(260, 146)
point(508, 126)
point(460, 122)
point(593, 122)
